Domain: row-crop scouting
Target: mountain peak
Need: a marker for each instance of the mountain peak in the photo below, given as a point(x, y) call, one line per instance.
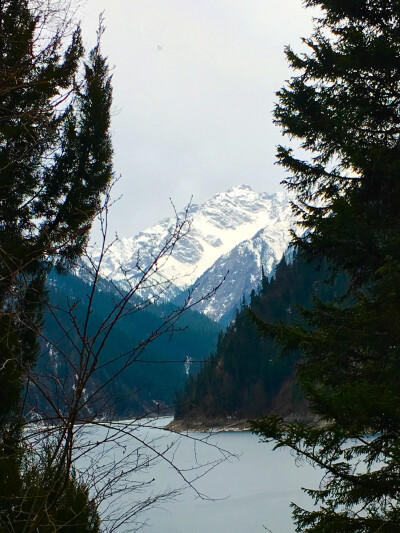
point(217, 228)
point(239, 188)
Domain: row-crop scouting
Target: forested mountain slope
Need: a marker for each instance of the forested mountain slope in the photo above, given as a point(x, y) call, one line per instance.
point(137, 380)
point(247, 377)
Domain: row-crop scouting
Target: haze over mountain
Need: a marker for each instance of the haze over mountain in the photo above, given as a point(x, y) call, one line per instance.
point(230, 236)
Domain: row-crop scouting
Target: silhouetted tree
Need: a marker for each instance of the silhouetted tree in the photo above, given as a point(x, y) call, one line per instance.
point(55, 163)
point(343, 106)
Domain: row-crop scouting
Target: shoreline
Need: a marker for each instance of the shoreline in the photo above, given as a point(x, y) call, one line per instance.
point(233, 424)
point(208, 426)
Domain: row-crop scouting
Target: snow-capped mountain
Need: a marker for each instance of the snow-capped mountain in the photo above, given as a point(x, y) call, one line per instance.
point(240, 271)
point(238, 230)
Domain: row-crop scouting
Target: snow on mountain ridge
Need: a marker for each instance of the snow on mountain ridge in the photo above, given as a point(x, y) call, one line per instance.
point(241, 268)
point(217, 227)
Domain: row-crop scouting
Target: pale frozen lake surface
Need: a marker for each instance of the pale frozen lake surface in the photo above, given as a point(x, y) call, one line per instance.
point(252, 493)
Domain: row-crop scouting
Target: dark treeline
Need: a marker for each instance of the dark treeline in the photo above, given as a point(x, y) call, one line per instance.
point(244, 375)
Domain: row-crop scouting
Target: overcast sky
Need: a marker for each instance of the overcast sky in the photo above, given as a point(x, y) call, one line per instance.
point(194, 88)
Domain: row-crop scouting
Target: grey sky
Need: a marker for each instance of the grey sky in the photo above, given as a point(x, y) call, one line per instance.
point(194, 88)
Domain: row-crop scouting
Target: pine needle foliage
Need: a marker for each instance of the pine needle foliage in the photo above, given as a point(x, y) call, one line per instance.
point(55, 164)
point(343, 109)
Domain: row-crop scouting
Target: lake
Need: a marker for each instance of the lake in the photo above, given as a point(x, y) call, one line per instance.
point(248, 491)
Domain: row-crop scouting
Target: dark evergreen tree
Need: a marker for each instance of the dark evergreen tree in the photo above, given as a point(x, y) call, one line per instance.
point(55, 162)
point(264, 280)
point(344, 108)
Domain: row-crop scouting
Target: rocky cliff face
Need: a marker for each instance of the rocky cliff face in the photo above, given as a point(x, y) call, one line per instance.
point(240, 271)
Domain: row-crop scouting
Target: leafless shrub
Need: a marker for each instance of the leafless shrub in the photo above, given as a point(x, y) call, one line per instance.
point(72, 417)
